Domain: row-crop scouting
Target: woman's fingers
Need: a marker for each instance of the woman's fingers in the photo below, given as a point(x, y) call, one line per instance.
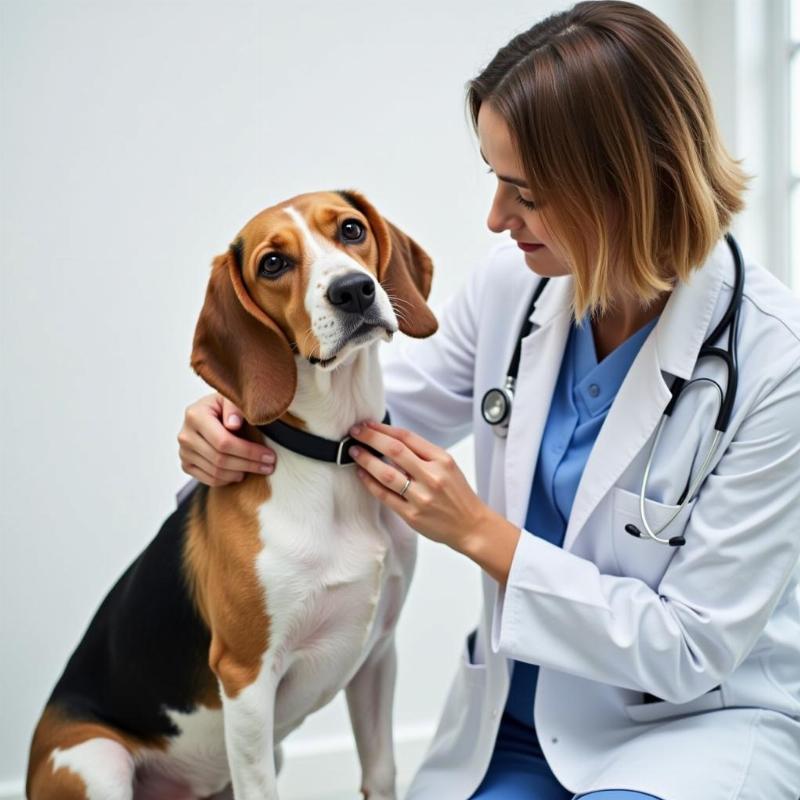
point(388, 475)
point(395, 443)
point(216, 442)
point(231, 415)
point(213, 454)
point(220, 455)
point(414, 442)
point(210, 475)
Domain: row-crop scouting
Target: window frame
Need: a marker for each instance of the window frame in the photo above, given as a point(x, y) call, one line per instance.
point(793, 170)
point(782, 182)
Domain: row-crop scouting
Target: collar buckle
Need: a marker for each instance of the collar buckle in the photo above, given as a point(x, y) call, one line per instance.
point(341, 450)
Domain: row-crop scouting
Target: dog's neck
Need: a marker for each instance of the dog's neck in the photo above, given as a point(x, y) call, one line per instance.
point(330, 402)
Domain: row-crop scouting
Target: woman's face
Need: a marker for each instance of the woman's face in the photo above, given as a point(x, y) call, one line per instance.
point(509, 210)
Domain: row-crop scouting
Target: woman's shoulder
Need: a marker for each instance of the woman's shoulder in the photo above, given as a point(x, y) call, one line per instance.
point(769, 303)
point(769, 333)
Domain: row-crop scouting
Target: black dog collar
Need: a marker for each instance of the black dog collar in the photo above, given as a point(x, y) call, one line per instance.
point(316, 447)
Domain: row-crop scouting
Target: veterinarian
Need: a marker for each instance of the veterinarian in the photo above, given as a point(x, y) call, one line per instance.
point(640, 634)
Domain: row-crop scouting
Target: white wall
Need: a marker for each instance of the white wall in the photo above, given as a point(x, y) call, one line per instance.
point(136, 139)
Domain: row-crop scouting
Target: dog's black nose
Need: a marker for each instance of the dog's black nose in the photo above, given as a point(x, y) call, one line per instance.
point(353, 293)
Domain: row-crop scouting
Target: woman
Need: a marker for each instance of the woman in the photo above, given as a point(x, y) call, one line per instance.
point(652, 670)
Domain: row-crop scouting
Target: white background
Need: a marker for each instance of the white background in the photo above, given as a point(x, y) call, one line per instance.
point(136, 139)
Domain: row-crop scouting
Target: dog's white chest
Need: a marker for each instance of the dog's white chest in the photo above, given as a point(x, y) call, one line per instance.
point(331, 578)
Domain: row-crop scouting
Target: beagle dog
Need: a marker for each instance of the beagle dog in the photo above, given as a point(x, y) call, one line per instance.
point(258, 601)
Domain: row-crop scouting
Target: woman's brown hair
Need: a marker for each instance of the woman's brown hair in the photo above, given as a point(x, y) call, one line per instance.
point(616, 134)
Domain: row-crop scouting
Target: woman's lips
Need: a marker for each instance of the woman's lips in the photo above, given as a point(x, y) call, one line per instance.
point(529, 248)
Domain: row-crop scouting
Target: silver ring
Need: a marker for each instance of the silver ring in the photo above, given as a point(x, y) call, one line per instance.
point(403, 490)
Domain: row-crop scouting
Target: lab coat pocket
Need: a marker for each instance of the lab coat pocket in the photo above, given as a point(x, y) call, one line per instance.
point(472, 670)
point(649, 712)
point(642, 557)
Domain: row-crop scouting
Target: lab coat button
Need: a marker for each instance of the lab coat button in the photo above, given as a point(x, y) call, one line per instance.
point(594, 390)
point(554, 740)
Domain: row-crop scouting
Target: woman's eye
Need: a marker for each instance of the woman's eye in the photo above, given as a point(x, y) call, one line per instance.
point(527, 203)
point(271, 264)
point(352, 230)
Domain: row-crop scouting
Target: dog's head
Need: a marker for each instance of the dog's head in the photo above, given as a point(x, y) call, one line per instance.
point(319, 276)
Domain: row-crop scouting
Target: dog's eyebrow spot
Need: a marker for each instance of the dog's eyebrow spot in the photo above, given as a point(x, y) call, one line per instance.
point(277, 241)
point(329, 214)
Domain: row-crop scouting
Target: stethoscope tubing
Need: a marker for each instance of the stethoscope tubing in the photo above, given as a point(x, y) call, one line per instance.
point(497, 403)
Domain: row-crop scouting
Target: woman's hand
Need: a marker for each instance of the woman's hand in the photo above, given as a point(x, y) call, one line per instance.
point(211, 452)
point(439, 503)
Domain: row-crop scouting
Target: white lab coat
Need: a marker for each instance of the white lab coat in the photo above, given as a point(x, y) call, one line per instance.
point(608, 616)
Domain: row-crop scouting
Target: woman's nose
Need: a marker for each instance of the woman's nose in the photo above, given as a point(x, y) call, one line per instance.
point(499, 219)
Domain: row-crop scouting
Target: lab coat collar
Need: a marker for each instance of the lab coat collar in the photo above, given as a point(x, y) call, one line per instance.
point(685, 320)
point(687, 316)
point(555, 300)
point(671, 347)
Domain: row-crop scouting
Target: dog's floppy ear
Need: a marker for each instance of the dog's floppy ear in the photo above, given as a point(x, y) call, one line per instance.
point(239, 350)
point(404, 270)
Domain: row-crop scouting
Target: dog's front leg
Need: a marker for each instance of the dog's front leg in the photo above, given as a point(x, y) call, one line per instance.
point(249, 737)
point(370, 695)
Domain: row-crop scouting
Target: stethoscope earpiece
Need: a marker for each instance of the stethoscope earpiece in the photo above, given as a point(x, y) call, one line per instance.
point(675, 541)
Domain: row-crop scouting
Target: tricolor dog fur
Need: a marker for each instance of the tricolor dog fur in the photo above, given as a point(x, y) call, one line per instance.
point(258, 601)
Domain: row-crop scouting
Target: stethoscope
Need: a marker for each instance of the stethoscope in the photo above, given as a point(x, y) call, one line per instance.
point(496, 404)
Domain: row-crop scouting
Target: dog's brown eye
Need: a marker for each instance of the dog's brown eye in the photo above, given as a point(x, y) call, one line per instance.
point(352, 230)
point(271, 264)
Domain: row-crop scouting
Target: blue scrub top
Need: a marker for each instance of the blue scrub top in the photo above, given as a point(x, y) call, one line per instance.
point(583, 394)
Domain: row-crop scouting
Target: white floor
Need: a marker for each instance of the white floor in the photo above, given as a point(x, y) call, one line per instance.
point(328, 770)
point(18, 794)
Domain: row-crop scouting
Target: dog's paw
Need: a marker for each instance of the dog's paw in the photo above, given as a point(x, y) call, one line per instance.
point(376, 795)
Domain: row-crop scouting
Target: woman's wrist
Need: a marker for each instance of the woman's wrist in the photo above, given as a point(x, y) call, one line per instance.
point(491, 542)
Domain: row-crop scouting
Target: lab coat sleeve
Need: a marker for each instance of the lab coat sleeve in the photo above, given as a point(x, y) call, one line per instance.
point(428, 383)
point(715, 597)
point(185, 489)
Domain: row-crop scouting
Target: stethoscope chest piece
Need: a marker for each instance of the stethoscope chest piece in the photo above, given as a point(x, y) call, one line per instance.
point(496, 407)
point(497, 402)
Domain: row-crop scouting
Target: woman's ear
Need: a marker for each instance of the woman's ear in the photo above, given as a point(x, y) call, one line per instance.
point(239, 350)
point(405, 270)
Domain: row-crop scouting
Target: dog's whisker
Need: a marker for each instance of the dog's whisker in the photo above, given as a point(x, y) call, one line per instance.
point(399, 300)
point(400, 313)
point(309, 332)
